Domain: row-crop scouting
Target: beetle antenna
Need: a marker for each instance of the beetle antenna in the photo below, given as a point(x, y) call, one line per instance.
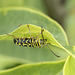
point(51, 50)
point(42, 32)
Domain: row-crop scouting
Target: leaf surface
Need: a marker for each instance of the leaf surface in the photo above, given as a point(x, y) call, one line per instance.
point(36, 69)
point(69, 68)
point(53, 32)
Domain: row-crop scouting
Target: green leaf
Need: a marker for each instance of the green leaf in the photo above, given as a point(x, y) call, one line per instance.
point(28, 16)
point(12, 17)
point(23, 31)
point(9, 62)
point(34, 4)
point(69, 68)
point(49, 68)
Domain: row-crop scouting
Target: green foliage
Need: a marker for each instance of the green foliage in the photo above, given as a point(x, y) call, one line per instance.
point(34, 4)
point(26, 16)
point(35, 69)
point(16, 60)
point(69, 68)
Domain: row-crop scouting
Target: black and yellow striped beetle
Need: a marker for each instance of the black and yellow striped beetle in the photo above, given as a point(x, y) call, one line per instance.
point(32, 41)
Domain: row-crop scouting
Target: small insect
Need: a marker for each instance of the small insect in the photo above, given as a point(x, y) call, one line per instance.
point(32, 41)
